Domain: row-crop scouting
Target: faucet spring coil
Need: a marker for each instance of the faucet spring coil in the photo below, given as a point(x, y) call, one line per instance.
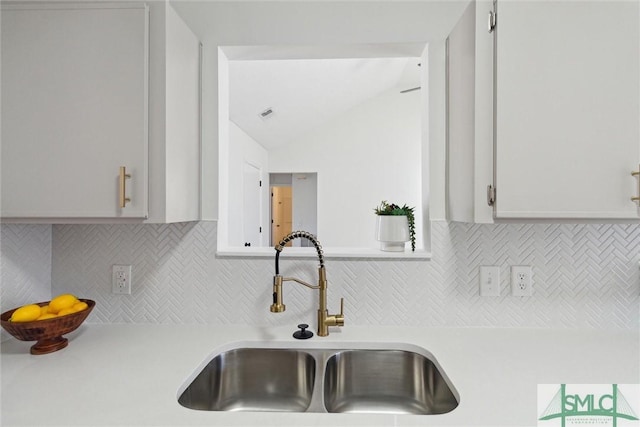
point(300, 233)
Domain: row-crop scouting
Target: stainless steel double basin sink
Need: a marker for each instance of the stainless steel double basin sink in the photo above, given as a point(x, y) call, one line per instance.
point(348, 380)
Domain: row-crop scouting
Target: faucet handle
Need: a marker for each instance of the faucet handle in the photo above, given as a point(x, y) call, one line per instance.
point(340, 317)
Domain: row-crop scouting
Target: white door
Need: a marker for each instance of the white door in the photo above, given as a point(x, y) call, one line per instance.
point(567, 109)
point(252, 205)
point(74, 110)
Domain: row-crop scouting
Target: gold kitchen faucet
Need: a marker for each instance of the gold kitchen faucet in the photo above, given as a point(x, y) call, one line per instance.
point(324, 318)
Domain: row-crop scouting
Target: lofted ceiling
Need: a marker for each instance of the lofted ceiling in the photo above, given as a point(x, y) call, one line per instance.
point(303, 94)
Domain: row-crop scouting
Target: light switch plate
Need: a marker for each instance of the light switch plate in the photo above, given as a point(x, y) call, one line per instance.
point(489, 281)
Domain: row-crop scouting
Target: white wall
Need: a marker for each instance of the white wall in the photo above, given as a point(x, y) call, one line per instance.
point(346, 154)
point(244, 149)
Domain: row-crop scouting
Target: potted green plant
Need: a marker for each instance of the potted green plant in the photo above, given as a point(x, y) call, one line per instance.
point(395, 226)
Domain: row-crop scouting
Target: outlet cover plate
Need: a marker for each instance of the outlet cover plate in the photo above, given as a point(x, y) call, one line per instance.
point(121, 279)
point(521, 283)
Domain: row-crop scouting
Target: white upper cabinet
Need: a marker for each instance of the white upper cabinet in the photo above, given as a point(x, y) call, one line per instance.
point(89, 88)
point(556, 126)
point(74, 110)
point(567, 109)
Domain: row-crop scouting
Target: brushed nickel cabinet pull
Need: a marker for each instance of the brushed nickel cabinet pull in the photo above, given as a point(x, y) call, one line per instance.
point(637, 197)
point(123, 186)
point(491, 22)
point(491, 195)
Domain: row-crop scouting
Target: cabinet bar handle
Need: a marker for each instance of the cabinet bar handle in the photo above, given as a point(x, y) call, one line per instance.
point(637, 197)
point(123, 186)
point(491, 24)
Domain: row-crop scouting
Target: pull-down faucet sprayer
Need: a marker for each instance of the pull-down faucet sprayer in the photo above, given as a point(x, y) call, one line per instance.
point(324, 318)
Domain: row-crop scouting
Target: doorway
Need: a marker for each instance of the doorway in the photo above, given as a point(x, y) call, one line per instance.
point(281, 213)
point(294, 205)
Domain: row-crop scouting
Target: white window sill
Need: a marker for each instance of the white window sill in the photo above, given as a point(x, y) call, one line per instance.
point(329, 253)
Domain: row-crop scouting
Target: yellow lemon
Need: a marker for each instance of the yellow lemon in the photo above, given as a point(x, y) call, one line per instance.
point(26, 313)
point(44, 309)
point(61, 302)
point(47, 316)
point(80, 306)
point(66, 311)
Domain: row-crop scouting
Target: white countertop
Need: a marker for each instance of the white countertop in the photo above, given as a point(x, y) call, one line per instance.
point(130, 374)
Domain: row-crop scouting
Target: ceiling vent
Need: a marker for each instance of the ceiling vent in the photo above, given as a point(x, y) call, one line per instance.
point(266, 114)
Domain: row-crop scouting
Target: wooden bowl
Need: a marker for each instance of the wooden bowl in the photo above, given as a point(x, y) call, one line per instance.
point(49, 332)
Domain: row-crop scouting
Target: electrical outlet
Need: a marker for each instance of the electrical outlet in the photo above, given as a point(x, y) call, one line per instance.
point(521, 284)
point(121, 279)
point(489, 281)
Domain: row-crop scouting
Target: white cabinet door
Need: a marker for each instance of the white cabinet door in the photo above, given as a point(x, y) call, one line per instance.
point(74, 110)
point(567, 109)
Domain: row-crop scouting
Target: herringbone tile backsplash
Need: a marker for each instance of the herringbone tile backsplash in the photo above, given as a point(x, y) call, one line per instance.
point(25, 265)
point(584, 276)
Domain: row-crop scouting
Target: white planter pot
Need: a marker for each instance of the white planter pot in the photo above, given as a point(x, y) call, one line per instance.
point(393, 232)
